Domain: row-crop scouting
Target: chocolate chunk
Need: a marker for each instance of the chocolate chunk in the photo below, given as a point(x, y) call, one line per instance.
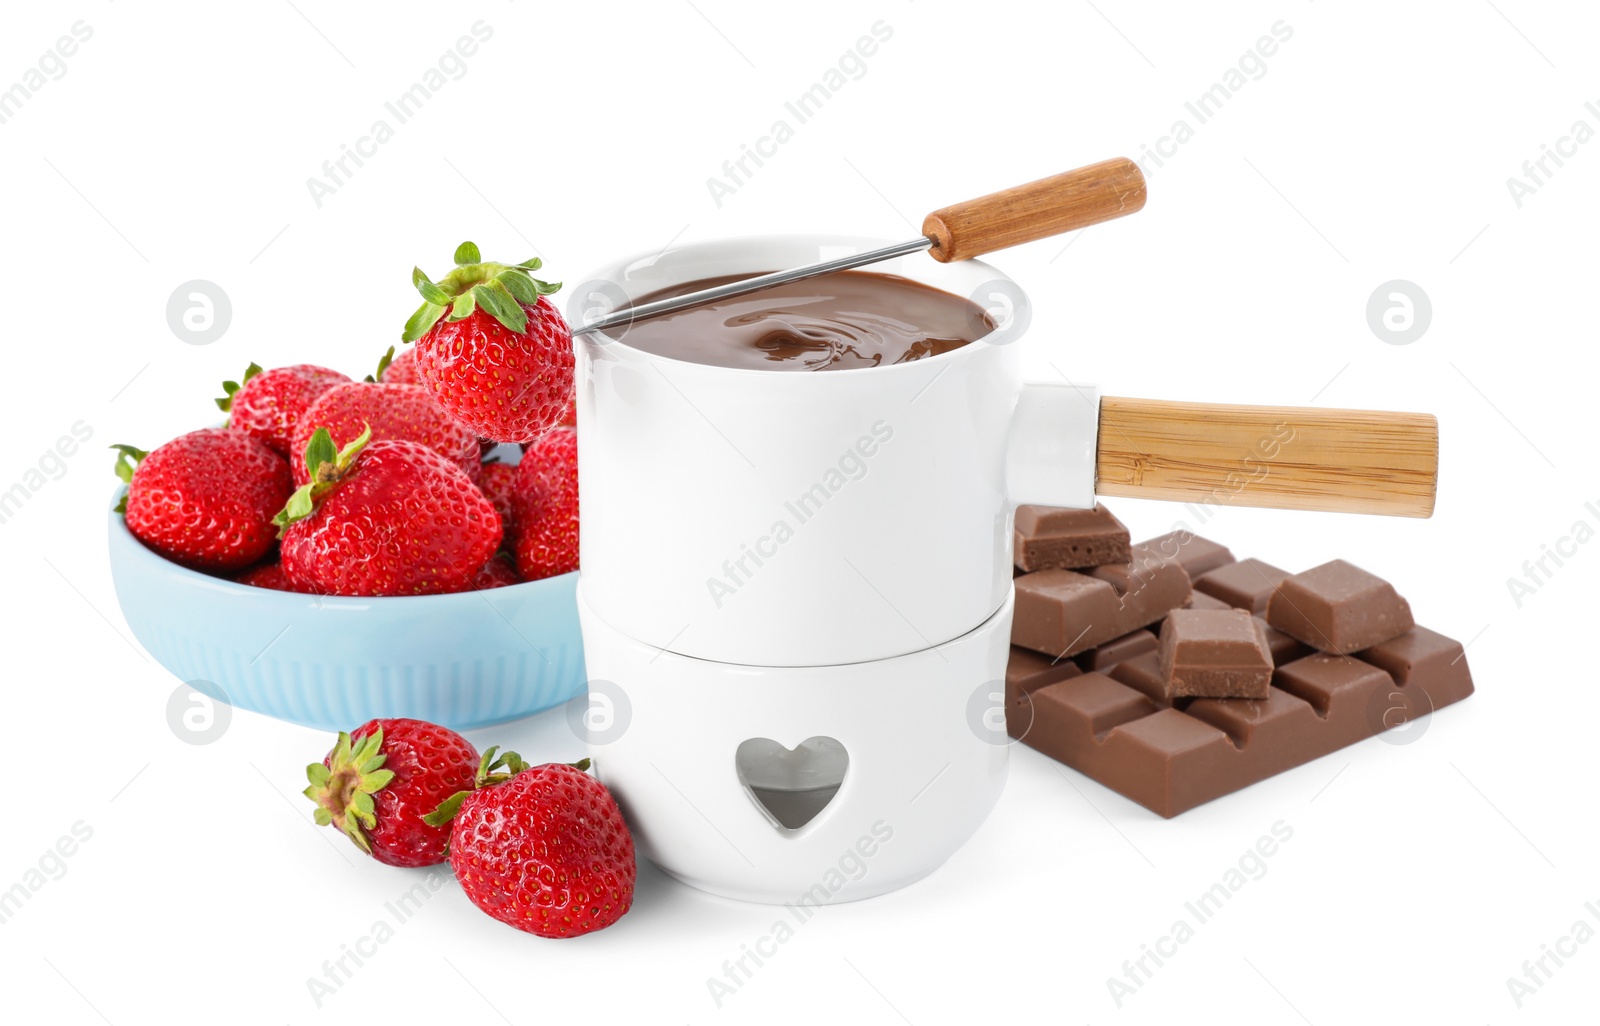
point(1063, 612)
point(1195, 554)
point(1173, 758)
point(1246, 584)
point(1339, 607)
point(1209, 653)
point(1027, 672)
point(1103, 657)
point(1200, 600)
point(1050, 538)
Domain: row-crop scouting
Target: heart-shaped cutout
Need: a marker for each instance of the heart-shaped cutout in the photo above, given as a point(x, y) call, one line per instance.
point(791, 785)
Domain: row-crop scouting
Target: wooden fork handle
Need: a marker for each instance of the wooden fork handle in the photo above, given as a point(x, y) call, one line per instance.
point(1038, 210)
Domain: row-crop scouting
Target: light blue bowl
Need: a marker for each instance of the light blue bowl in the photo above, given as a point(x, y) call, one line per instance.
point(464, 660)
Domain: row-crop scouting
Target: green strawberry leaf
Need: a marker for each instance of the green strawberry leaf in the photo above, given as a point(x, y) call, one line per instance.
point(430, 292)
point(533, 264)
point(467, 253)
point(128, 458)
point(519, 285)
point(447, 810)
point(319, 450)
point(545, 288)
point(383, 364)
point(464, 307)
point(426, 317)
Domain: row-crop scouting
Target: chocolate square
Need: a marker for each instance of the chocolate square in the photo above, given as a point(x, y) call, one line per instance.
point(1339, 607)
point(1247, 584)
point(1209, 653)
point(1195, 554)
point(1051, 538)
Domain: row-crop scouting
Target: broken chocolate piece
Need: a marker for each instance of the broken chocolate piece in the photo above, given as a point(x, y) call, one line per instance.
point(1063, 612)
point(1051, 538)
point(1209, 653)
point(1195, 554)
point(1339, 607)
point(1247, 584)
point(1027, 672)
point(1200, 600)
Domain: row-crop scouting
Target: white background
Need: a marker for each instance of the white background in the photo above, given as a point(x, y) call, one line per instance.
point(1376, 146)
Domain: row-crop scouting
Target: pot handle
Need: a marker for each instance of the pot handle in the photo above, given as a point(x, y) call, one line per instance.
point(1285, 457)
point(1069, 444)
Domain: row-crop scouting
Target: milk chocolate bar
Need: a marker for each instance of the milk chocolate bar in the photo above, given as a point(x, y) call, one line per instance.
point(1103, 657)
point(1062, 612)
point(1208, 653)
point(1171, 757)
point(1338, 607)
point(1049, 538)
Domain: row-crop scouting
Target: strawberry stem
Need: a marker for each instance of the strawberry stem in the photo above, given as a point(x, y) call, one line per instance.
point(500, 290)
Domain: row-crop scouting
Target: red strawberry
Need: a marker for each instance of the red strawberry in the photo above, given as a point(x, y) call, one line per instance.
point(499, 482)
point(269, 403)
point(497, 573)
point(398, 370)
point(546, 851)
point(385, 518)
point(205, 499)
point(402, 412)
point(266, 575)
point(381, 780)
point(502, 360)
point(570, 417)
point(546, 506)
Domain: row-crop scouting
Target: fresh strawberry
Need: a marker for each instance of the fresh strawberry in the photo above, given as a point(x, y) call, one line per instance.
point(545, 507)
point(398, 369)
point(393, 412)
point(502, 359)
point(498, 482)
point(205, 499)
point(268, 404)
point(570, 417)
point(546, 851)
point(497, 573)
point(385, 518)
point(266, 575)
point(382, 779)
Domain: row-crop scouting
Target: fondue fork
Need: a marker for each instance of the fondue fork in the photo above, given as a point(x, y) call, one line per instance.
point(1024, 213)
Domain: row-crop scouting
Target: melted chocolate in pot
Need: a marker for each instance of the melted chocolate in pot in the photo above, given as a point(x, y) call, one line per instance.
point(840, 321)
